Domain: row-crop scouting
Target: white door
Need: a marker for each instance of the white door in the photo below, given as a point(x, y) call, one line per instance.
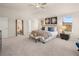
point(4, 26)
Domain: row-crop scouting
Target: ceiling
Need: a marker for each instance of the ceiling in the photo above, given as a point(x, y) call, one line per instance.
point(50, 8)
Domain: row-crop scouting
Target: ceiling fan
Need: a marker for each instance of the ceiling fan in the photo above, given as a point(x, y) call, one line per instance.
point(39, 5)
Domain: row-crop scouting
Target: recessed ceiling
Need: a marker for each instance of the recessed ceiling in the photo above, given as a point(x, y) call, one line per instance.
point(51, 8)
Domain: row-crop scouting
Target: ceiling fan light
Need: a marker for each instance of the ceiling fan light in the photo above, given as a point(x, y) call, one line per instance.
point(39, 5)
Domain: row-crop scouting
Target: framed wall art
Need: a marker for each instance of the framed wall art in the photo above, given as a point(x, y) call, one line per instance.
point(51, 20)
point(54, 20)
point(47, 20)
point(19, 27)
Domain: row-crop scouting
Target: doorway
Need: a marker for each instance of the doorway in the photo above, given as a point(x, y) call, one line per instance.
point(4, 27)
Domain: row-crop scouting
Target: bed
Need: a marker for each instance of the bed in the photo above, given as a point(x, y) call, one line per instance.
point(52, 35)
point(44, 35)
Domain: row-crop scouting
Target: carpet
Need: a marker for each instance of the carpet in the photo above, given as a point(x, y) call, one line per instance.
point(22, 46)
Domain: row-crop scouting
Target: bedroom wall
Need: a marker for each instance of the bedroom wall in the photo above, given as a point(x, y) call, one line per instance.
point(13, 14)
point(75, 24)
point(26, 15)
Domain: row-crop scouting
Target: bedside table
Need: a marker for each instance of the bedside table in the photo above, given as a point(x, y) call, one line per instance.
point(64, 36)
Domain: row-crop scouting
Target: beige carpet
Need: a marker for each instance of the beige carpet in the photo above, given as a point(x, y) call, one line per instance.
point(21, 46)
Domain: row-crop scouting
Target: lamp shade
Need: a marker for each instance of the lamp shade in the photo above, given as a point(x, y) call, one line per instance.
point(63, 27)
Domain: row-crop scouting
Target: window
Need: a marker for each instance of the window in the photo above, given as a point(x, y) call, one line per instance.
point(67, 23)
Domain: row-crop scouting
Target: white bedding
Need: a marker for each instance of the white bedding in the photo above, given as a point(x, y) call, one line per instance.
point(53, 35)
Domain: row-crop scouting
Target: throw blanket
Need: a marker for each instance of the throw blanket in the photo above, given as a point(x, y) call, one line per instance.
point(41, 33)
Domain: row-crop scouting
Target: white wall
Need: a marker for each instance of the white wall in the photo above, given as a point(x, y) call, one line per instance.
point(75, 24)
point(26, 15)
point(13, 14)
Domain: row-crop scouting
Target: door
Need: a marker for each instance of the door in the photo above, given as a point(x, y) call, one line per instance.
point(4, 26)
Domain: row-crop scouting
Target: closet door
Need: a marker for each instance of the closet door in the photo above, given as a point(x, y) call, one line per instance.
point(4, 26)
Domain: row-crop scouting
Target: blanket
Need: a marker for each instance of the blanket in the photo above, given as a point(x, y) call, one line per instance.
point(41, 33)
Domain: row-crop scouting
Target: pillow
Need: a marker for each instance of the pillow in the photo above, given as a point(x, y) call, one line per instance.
point(51, 29)
point(43, 28)
point(34, 33)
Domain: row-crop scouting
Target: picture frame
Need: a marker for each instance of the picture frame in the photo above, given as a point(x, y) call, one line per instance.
point(54, 20)
point(19, 27)
point(51, 20)
point(47, 20)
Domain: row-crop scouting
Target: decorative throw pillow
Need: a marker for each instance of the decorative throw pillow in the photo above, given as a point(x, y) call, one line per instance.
point(34, 33)
point(51, 29)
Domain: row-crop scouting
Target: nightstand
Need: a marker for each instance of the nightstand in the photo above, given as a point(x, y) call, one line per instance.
point(64, 36)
